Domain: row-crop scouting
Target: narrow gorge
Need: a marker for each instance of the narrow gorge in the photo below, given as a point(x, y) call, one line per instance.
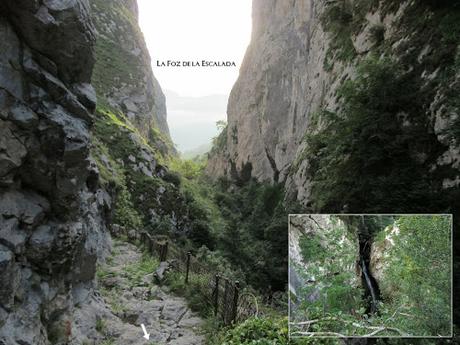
point(341, 106)
point(366, 275)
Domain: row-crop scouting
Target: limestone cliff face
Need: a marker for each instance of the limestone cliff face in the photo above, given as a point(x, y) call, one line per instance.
point(130, 140)
point(51, 210)
point(123, 75)
point(303, 51)
point(281, 81)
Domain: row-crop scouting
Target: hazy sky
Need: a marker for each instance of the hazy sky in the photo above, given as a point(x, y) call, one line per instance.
point(196, 30)
point(215, 30)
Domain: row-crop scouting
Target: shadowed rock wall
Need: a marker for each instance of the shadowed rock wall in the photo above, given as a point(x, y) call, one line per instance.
point(52, 226)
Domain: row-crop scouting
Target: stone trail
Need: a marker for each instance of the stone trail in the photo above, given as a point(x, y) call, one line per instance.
point(114, 316)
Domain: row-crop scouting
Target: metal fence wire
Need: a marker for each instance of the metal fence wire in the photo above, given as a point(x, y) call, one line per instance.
point(227, 300)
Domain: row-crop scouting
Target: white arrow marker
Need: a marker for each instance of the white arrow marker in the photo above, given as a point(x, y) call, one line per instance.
point(146, 335)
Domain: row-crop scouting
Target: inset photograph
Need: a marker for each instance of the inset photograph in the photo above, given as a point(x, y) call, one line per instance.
point(370, 275)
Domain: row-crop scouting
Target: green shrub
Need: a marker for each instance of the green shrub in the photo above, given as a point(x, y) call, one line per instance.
point(219, 143)
point(255, 331)
point(101, 326)
point(338, 21)
point(200, 233)
point(173, 178)
point(125, 213)
point(366, 155)
point(253, 236)
point(136, 272)
point(418, 275)
point(377, 33)
point(311, 248)
point(196, 291)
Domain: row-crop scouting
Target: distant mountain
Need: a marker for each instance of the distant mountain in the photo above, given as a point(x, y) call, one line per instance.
point(198, 151)
point(192, 120)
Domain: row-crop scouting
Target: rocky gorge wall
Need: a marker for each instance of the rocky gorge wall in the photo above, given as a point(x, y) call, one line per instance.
point(123, 76)
point(302, 54)
point(130, 141)
point(52, 213)
point(269, 104)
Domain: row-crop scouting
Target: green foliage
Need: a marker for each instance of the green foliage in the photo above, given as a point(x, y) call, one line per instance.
point(114, 63)
point(415, 281)
point(311, 248)
point(338, 20)
point(173, 178)
point(137, 271)
point(101, 326)
point(203, 214)
point(424, 41)
point(187, 168)
point(329, 257)
point(257, 331)
point(204, 266)
point(194, 291)
point(103, 274)
point(108, 342)
point(125, 213)
point(180, 199)
point(111, 143)
point(377, 33)
point(112, 173)
point(221, 125)
point(418, 277)
point(253, 236)
point(219, 143)
point(117, 145)
point(367, 155)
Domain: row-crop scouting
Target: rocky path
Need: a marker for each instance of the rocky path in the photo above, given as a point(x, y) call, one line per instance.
point(127, 299)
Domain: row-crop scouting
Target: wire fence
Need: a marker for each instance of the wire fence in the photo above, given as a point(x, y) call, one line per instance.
point(224, 297)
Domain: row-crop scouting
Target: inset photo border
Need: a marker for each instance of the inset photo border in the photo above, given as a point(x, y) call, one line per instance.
point(370, 275)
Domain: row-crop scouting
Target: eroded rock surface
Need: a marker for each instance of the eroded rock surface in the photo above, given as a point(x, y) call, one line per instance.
point(123, 73)
point(123, 305)
point(295, 65)
point(51, 223)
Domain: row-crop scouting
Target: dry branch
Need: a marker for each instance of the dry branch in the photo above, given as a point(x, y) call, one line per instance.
point(376, 329)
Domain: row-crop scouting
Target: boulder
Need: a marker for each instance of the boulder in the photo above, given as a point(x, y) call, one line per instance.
point(11, 235)
point(173, 310)
point(40, 244)
point(132, 235)
point(161, 271)
point(28, 207)
point(86, 95)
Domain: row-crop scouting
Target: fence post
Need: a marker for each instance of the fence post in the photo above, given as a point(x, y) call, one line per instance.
point(225, 303)
point(187, 269)
point(216, 297)
point(151, 246)
point(165, 251)
point(235, 300)
point(145, 242)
